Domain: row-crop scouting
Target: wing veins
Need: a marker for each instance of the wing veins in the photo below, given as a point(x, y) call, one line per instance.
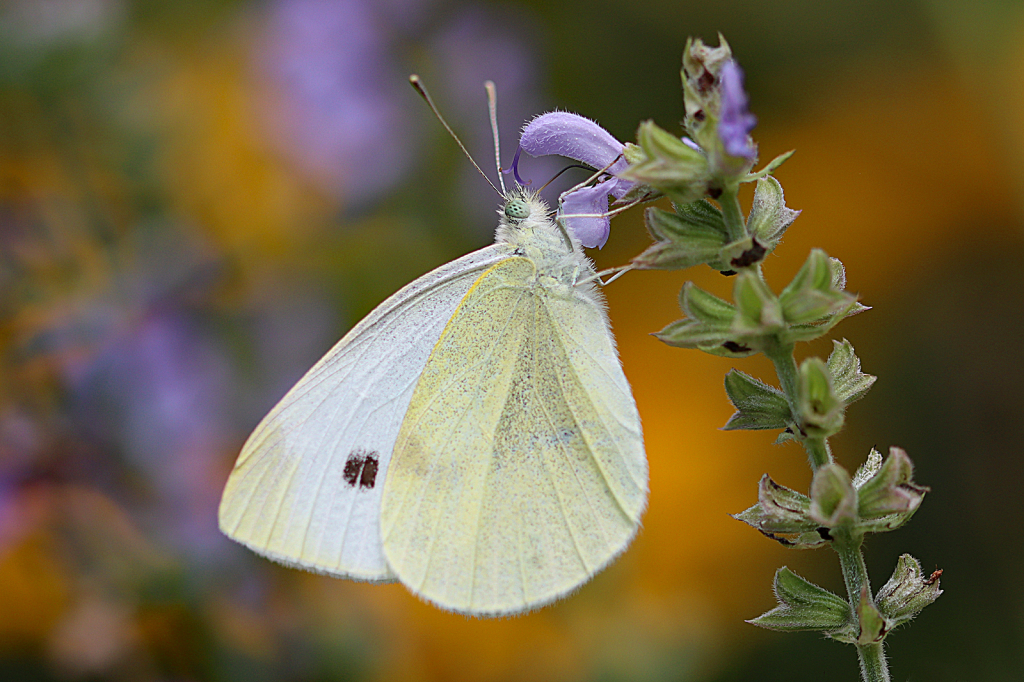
point(448, 384)
point(364, 346)
point(590, 446)
point(494, 346)
point(551, 423)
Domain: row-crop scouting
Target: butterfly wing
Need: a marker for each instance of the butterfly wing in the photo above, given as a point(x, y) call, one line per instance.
point(519, 471)
point(306, 488)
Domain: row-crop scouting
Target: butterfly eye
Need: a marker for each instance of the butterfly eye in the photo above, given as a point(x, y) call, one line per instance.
point(517, 209)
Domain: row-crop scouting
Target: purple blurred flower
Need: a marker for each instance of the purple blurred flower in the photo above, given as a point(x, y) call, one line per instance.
point(163, 393)
point(579, 138)
point(338, 111)
point(735, 121)
point(478, 44)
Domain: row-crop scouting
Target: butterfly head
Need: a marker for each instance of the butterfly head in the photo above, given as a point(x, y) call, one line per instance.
point(516, 209)
point(523, 207)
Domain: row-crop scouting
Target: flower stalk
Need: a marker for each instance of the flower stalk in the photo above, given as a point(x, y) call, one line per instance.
point(732, 214)
point(702, 174)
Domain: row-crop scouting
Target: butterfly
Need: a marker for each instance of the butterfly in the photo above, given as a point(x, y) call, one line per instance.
point(474, 437)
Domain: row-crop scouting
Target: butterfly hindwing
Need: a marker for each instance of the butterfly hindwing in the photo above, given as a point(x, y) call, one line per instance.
point(307, 486)
point(519, 469)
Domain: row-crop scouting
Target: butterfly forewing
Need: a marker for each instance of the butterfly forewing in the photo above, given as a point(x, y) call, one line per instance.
point(306, 488)
point(519, 470)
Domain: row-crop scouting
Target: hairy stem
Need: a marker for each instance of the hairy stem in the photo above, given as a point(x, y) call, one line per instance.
point(732, 214)
point(781, 356)
point(873, 667)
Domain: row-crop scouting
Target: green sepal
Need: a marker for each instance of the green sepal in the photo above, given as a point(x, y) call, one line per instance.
point(729, 349)
point(770, 168)
point(820, 411)
point(848, 382)
point(868, 469)
point(632, 153)
point(812, 296)
point(907, 592)
point(702, 213)
point(758, 405)
point(758, 310)
point(833, 497)
point(668, 165)
point(683, 239)
point(706, 307)
point(769, 218)
point(873, 625)
point(690, 333)
point(707, 327)
point(786, 436)
point(782, 515)
point(808, 332)
point(891, 490)
point(804, 606)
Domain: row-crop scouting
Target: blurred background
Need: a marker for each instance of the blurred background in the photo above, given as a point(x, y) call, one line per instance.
point(198, 198)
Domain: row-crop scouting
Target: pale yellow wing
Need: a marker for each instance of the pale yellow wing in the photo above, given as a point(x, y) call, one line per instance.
point(306, 488)
point(519, 470)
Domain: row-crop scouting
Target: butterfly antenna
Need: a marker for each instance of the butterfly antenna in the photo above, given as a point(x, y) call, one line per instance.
point(414, 80)
point(492, 110)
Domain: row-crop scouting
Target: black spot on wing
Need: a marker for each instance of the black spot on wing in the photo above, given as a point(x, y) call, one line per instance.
point(361, 469)
point(369, 475)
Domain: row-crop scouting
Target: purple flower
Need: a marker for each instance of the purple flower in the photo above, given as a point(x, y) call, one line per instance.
point(337, 102)
point(579, 138)
point(735, 122)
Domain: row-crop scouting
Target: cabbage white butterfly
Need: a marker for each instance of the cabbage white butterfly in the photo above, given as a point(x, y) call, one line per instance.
point(473, 437)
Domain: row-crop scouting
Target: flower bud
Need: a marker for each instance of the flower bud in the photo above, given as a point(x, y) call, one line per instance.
point(833, 497)
point(891, 490)
point(669, 165)
point(694, 234)
point(758, 310)
point(908, 591)
point(820, 412)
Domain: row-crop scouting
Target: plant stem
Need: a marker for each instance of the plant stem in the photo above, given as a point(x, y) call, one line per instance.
point(781, 356)
point(873, 667)
point(732, 214)
point(818, 451)
point(855, 572)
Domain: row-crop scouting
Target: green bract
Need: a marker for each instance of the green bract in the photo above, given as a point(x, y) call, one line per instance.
point(758, 405)
point(668, 164)
point(693, 235)
point(804, 606)
point(769, 218)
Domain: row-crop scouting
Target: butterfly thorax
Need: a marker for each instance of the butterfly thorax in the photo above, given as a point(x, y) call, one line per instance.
point(527, 227)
